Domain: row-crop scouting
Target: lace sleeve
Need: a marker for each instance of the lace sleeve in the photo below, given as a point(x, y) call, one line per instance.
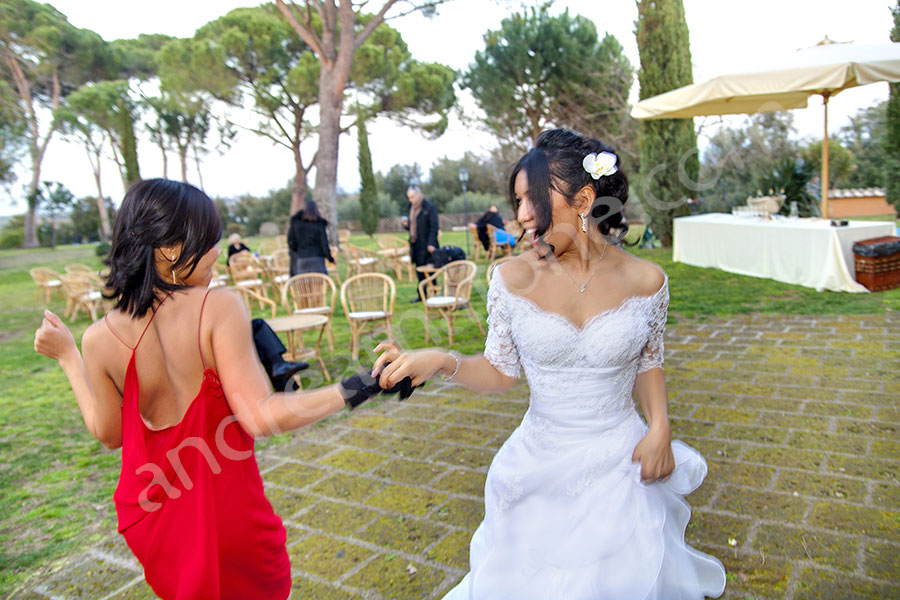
point(500, 349)
point(652, 354)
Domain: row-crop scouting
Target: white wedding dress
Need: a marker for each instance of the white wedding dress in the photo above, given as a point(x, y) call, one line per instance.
point(566, 514)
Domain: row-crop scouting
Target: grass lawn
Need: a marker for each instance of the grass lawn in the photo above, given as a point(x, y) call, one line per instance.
point(56, 482)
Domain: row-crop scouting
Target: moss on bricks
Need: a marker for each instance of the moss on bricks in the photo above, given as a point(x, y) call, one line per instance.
point(461, 512)
point(402, 533)
point(775, 379)
point(751, 576)
point(352, 488)
point(326, 556)
point(351, 459)
point(414, 428)
point(822, 486)
point(690, 427)
point(867, 428)
point(881, 561)
point(750, 433)
point(798, 544)
point(702, 495)
point(712, 528)
point(462, 481)
point(333, 517)
point(830, 442)
point(793, 421)
point(886, 495)
point(857, 520)
point(863, 466)
point(508, 407)
point(838, 409)
point(369, 421)
point(294, 475)
point(420, 411)
point(409, 471)
point(719, 365)
point(815, 584)
point(809, 460)
point(88, 578)
point(885, 449)
point(395, 578)
point(307, 589)
point(292, 534)
point(453, 550)
point(739, 473)
point(287, 502)
point(139, 591)
point(472, 458)
point(747, 389)
point(760, 503)
point(410, 447)
point(767, 403)
point(465, 435)
point(306, 451)
point(406, 499)
point(702, 398)
point(713, 448)
point(364, 439)
point(726, 415)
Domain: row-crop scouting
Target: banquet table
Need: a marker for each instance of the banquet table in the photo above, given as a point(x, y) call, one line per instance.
point(807, 252)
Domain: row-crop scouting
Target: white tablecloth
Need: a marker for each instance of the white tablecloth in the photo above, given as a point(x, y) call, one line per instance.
point(806, 252)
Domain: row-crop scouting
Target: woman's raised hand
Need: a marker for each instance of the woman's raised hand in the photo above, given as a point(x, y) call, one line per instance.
point(53, 339)
point(419, 365)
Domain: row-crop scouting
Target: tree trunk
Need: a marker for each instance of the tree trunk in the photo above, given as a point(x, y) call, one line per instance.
point(182, 155)
point(330, 104)
point(298, 192)
point(31, 240)
point(197, 162)
point(105, 231)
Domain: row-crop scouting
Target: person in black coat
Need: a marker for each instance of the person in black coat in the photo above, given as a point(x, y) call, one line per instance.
point(308, 241)
point(235, 246)
point(491, 217)
point(422, 224)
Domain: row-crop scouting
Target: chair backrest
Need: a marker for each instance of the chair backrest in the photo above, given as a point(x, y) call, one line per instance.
point(42, 275)
point(267, 247)
point(76, 285)
point(78, 268)
point(281, 259)
point(308, 290)
point(457, 278)
point(281, 241)
point(494, 264)
point(343, 236)
point(514, 228)
point(390, 242)
point(368, 292)
point(492, 234)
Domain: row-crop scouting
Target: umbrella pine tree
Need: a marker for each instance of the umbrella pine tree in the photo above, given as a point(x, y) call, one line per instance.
point(892, 136)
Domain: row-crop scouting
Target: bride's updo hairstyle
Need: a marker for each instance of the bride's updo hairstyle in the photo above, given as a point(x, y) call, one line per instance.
point(557, 162)
point(157, 213)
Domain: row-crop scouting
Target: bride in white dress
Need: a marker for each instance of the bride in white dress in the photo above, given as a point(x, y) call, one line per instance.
point(584, 500)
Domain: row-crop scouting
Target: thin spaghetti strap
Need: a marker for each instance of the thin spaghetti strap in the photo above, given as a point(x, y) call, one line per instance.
point(147, 326)
point(200, 322)
point(113, 331)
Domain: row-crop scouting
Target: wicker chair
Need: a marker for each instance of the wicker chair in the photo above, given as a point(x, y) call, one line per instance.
point(368, 301)
point(279, 270)
point(246, 272)
point(46, 280)
point(360, 260)
point(311, 294)
point(477, 248)
point(396, 256)
point(80, 269)
point(515, 229)
point(495, 264)
point(82, 293)
point(496, 247)
point(446, 291)
point(332, 267)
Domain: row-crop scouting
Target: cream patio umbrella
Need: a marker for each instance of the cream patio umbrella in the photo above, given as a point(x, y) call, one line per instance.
point(825, 69)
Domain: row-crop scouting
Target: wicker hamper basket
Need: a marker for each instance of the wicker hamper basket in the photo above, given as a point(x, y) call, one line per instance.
point(878, 262)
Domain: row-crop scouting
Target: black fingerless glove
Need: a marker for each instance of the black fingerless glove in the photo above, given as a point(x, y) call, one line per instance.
point(362, 386)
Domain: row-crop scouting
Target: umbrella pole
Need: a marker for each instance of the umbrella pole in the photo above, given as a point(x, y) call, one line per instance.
point(825, 160)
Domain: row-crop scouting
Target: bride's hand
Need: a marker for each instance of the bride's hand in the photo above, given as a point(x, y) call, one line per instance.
point(419, 365)
point(654, 452)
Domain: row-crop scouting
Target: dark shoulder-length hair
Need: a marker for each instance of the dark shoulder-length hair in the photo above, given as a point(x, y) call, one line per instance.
point(157, 213)
point(310, 211)
point(557, 162)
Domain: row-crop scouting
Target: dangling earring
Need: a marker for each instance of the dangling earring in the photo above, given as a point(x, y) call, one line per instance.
point(173, 278)
point(583, 222)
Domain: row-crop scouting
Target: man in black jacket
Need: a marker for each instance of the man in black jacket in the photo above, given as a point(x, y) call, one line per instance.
point(422, 224)
point(491, 217)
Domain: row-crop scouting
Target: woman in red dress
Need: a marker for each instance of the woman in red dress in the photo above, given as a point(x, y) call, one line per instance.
point(171, 376)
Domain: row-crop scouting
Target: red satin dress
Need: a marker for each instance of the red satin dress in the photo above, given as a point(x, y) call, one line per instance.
point(190, 501)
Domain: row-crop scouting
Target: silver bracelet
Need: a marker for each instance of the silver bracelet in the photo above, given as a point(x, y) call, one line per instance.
point(449, 377)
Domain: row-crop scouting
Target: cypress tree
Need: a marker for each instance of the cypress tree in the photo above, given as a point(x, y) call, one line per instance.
point(368, 193)
point(892, 133)
point(128, 142)
point(668, 146)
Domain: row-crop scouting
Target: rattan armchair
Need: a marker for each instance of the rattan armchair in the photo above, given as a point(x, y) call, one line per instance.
point(447, 291)
point(81, 294)
point(311, 294)
point(368, 302)
point(47, 281)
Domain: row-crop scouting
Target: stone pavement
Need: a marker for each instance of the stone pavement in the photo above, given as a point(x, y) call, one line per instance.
point(797, 416)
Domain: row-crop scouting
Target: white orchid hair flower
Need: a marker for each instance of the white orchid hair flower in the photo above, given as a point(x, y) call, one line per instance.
point(600, 165)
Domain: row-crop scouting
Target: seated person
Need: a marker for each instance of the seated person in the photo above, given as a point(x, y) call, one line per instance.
point(492, 217)
point(235, 245)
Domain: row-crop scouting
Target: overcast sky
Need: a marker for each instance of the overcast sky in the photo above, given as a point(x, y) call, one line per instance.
point(725, 35)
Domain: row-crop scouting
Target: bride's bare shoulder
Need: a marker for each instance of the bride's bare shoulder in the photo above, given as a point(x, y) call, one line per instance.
point(519, 273)
point(645, 277)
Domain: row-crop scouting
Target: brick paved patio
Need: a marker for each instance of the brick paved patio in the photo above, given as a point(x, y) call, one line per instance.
point(797, 416)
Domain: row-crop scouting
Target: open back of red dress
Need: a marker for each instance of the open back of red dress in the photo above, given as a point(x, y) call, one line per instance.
point(190, 501)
